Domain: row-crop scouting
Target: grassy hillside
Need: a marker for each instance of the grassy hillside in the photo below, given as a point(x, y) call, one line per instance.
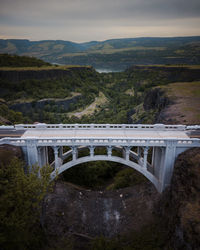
point(15, 61)
point(110, 54)
point(185, 103)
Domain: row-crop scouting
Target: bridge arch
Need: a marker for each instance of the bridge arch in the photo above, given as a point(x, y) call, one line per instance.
point(116, 159)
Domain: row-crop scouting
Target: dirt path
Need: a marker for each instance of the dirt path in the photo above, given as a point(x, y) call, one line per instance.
point(99, 102)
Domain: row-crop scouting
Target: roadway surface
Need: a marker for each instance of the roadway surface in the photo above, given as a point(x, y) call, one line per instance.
point(11, 133)
point(104, 133)
point(194, 133)
point(99, 133)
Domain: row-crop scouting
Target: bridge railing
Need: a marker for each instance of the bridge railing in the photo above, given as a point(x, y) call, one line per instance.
point(100, 126)
point(193, 127)
point(7, 127)
point(101, 142)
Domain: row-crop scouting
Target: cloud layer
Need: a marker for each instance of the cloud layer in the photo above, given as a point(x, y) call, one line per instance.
point(84, 20)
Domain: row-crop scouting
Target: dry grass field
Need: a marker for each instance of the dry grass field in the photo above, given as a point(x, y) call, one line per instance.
point(185, 98)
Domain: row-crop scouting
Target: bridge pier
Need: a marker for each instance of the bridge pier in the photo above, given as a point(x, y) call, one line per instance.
point(61, 152)
point(91, 151)
point(146, 149)
point(139, 152)
point(35, 155)
point(167, 165)
point(43, 156)
point(31, 152)
point(74, 153)
point(56, 148)
point(156, 160)
point(109, 151)
point(163, 159)
point(126, 153)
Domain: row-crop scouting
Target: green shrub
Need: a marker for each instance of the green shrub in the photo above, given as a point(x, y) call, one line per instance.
point(126, 178)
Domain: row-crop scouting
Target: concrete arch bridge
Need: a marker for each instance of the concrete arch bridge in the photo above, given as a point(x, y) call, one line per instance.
point(149, 149)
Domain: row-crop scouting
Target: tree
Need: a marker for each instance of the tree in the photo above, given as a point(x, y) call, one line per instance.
point(20, 204)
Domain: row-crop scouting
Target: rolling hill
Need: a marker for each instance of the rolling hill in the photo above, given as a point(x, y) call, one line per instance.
point(114, 54)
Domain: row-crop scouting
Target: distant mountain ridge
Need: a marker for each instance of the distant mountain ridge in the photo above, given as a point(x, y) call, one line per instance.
point(111, 53)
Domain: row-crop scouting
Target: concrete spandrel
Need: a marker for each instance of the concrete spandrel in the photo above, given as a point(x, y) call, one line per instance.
point(103, 133)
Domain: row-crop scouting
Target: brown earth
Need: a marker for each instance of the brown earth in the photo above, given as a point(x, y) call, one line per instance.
point(94, 213)
point(184, 107)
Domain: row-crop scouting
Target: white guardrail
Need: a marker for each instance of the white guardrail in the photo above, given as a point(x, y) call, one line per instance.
point(100, 141)
point(95, 126)
point(101, 126)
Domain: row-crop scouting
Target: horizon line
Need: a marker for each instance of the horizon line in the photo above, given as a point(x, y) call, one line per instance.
point(139, 37)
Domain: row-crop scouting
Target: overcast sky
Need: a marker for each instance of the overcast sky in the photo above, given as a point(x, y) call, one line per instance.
point(86, 20)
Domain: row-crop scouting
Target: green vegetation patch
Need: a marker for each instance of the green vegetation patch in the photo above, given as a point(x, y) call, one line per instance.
point(20, 61)
point(126, 178)
point(20, 202)
point(45, 67)
point(92, 174)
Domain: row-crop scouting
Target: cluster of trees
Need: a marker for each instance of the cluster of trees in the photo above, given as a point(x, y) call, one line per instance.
point(7, 60)
point(11, 116)
point(21, 193)
point(48, 88)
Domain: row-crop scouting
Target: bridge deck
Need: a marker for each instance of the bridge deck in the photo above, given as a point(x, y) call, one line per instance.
point(11, 133)
point(104, 133)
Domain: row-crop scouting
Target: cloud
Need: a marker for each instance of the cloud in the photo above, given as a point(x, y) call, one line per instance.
point(83, 19)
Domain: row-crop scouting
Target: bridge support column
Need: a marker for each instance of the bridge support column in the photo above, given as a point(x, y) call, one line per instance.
point(152, 157)
point(74, 153)
point(163, 164)
point(127, 153)
point(109, 151)
point(25, 153)
point(158, 155)
point(139, 152)
point(56, 156)
point(42, 156)
point(145, 157)
point(92, 151)
point(31, 152)
point(61, 152)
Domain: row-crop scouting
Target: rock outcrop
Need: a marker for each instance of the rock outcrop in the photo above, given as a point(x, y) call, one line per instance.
point(39, 74)
point(25, 107)
point(69, 210)
point(155, 99)
point(169, 72)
